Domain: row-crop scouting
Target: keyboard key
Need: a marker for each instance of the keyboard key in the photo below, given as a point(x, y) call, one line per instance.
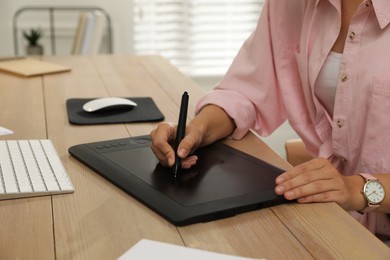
point(38, 187)
point(29, 168)
point(25, 188)
point(11, 188)
point(52, 186)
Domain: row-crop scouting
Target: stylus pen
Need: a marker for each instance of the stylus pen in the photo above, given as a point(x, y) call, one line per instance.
point(181, 131)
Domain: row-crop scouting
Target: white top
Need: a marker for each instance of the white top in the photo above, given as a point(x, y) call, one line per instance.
point(325, 86)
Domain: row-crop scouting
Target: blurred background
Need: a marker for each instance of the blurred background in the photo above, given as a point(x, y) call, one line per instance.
point(200, 37)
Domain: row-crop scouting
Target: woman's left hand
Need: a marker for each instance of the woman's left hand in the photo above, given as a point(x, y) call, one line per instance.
point(318, 181)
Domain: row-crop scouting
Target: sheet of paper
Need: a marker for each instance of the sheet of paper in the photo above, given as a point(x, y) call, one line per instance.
point(147, 249)
point(5, 131)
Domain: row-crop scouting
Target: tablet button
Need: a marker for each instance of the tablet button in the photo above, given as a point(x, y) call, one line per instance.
point(141, 141)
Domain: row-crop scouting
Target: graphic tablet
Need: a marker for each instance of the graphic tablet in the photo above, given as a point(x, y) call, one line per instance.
point(225, 181)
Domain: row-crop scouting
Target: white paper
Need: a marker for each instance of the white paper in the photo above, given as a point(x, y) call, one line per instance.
point(147, 249)
point(5, 131)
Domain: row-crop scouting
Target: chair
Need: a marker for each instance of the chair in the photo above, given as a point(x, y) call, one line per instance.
point(91, 46)
point(296, 152)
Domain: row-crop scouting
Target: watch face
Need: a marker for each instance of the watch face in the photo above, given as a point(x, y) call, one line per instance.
point(374, 192)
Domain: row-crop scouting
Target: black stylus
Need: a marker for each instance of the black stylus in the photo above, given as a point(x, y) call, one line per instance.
point(181, 131)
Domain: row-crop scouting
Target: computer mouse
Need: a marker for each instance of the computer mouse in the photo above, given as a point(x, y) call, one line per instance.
point(108, 103)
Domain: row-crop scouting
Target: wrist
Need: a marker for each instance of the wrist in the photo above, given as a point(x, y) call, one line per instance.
point(213, 124)
point(199, 126)
point(357, 201)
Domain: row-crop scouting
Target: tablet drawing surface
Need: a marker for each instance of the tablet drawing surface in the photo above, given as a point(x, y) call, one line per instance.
point(224, 182)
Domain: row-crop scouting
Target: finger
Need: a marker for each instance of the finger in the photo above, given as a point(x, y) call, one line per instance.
point(295, 179)
point(188, 162)
point(185, 147)
point(311, 189)
point(311, 165)
point(329, 196)
point(189, 143)
point(304, 178)
point(161, 157)
point(162, 136)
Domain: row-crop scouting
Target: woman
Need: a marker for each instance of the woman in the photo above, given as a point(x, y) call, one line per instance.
point(322, 65)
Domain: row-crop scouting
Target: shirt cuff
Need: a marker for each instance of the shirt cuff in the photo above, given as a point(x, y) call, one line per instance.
point(240, 109)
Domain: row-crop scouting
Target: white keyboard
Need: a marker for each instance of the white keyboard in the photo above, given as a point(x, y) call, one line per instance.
point(31, 168)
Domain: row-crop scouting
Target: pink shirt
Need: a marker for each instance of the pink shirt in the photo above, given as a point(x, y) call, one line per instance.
point(273, 76)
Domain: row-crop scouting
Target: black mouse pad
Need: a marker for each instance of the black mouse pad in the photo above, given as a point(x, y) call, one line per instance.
point(145, 111)
point(224, 182)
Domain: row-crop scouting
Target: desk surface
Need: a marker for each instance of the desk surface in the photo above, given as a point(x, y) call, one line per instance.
point(99, 221)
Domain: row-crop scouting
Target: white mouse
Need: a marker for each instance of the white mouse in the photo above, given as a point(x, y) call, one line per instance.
point(108, 103)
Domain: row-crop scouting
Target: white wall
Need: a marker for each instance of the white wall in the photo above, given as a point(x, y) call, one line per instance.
point(119, 10)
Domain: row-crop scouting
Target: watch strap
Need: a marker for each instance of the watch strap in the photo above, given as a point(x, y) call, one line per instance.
point(368, 177)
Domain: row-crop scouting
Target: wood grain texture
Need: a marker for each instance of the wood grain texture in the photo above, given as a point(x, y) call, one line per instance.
point(99, 221)
point(26, 227)
point(98, 215)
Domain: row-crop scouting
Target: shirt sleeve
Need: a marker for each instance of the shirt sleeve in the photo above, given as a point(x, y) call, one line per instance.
point(249, 92)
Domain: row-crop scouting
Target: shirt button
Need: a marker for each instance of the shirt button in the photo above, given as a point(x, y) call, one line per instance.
point(339, 123)
point(344, 78)
point(352, 35)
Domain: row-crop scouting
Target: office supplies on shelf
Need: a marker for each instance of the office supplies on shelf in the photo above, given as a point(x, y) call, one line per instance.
point(149, 250)
point(181, 131)
point(89, 33)
point(80, 32)
point(28, 67)
point(225, 181)
point(145, 111)
point(31, 168)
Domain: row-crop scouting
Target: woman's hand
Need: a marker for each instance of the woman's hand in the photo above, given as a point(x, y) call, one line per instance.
point(163, 138)
point(211, 124)
point(318, 181)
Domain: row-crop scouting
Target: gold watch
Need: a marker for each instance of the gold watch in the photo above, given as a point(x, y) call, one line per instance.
point(373, 192)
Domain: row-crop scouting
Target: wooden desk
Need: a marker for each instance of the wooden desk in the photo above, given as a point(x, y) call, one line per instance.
point(99, 221)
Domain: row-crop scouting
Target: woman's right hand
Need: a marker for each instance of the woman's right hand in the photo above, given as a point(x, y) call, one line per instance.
point(163, 138)
point(209, 125)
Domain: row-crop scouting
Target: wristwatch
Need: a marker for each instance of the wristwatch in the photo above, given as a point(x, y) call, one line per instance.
point(373, 192)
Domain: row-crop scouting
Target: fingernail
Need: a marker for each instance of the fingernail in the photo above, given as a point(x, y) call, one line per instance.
point(171, 161)
point(182, 152)
point(193, 161)
point(289, 194)
point(189, 163)
point(279, 190)
point(279, 180)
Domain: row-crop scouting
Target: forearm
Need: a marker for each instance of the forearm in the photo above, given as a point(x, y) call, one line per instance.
point(213, 123)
